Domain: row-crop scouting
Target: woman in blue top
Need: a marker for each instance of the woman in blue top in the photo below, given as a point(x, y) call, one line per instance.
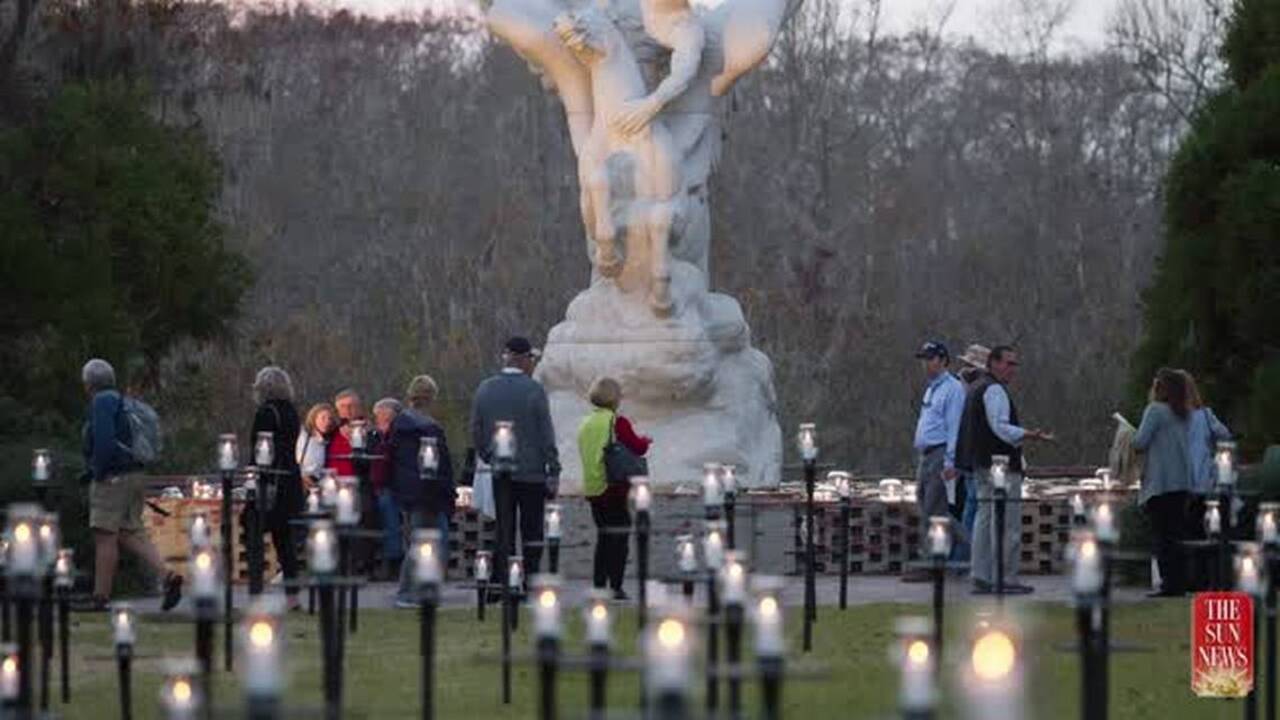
point(1166, 476)
point(1204, 432)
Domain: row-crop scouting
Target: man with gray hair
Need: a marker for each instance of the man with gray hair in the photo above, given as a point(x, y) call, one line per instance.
point(423, 502)
point(513, 396)
point(116, 491)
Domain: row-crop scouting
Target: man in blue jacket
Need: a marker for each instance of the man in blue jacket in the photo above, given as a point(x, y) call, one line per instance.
point(117, 491)
point(422, 503)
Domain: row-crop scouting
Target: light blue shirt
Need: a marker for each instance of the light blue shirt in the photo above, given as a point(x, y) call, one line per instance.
point(1204, 431)
point(940, 414)
point(996, 402)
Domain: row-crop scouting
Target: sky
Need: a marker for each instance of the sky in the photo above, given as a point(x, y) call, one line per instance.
point(1084, 26)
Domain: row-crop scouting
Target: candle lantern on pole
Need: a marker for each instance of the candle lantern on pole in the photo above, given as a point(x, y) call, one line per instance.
point(25, 570)
point(713, 555)
point(510, 615)
point(687, 564)
point(938, 542)
point(1079, 517)
point(597, 619)
point(124, 634)
point(204, 591)
point(483, 572)
point(252, 518)
point(262, 675)
point(228, 464)
point(1087, 583)
point(547, 630)
point(1213, 532)
point(41, 474)
point(9, 672)
point(770, 644)
point(428, 573)
point(1225, 465)
point(551, 524)
point(641, 497)
point(1000, 496)
point(916, 658)
point(712, 491)
point(322, 563)
point(729, 484)
point(1269, 537)
point(992, 678)
point(180, 697)
point(47, 534)
point(668, 651)
point(733, 594)
point(843, 484)
point(1251, 579)
point(264, 449)
point(807, 444)
point(328, 489)
point(64, 579)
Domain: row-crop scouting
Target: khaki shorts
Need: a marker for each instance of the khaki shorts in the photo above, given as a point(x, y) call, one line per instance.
point(115, 504)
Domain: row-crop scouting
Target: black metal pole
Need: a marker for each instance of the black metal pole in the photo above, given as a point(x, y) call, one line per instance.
point(124, 658)
point(548, 659)
point(6, 629)
point(599, 679)
point(64, 643)
point(26, 666)
point(642, 567)
point(45, 619)
point(771, 686)
point(1224, 540)
point(329, 650)
point(508, 609)
point(344, 569)
point(730, 516)
point(427, 647)
point(1000, 500)
point(228, 573)
point(1273, 568)
point(939, 600)
point(845, 513)
point(253, 537)
point(205, 616)
point(1251, 700)
point(713, 646)
point(553, 555)
point(311, 601)
point(686, 587)
point(734, 615)
point(1102, 638)
point(810, 579)
point(1088, 675)
point(481, 600)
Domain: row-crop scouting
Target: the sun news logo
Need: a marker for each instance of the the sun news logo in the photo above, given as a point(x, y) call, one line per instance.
point(1222, 644)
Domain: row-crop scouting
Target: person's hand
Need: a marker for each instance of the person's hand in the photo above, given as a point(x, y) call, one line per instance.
point(1038, 434)
point(635, 115)
point(949, 474)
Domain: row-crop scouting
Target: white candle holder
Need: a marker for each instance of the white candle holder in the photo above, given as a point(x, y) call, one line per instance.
point(428, 559)
point(228, 453)
point(1269, 524)
point(668, 650)
point(807, 442)
point(483, 566)
point(322, 548)
point(1250, 570)
point(358, 434)
point(262, 649)
point(504, 441)
point(686, 554)
point(890, 490)
point(712, 489)
point(41, 466)
point(204, 574)
point(124, 624)
point(428, 457)
point(515, 573)
point(713, 543)
point(1212, 518)
point(1000, 472)
point(733, 578)
point(180, 696)
point(766, 614)
point(346, 502)
point(641, 496)
point(313, 501)
point(9, 674)
point(64, 569)
point(993, 675)
point(1225, 461)
point(1105, 525)
point(551, 521)
point(841, 482)
point(24, 541)
point(914, 654)
point(264, 451)
point(328, 488)
point(939, 537)
point(1087, 575)
point(1104, 478)
point(546, 607)
point(47, 531)
point(729, 480)
point(598, 619)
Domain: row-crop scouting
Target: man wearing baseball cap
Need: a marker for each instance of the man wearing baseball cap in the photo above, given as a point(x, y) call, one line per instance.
point(937, 430)
point(513, 395)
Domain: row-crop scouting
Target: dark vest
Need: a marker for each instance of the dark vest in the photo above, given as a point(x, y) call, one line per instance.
point(977, 442)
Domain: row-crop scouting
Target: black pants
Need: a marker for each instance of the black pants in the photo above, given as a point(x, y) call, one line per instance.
point(277, 523)
point(1168, 514)
point(528, 501)
point(609, 510)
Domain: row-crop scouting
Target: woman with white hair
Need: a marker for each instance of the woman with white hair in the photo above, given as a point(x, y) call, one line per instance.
point(276, 414)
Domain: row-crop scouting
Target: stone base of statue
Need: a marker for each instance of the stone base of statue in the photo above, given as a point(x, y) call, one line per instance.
point(690, 381)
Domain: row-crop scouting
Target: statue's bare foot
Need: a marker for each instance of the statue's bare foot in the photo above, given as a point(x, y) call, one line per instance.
point(660, 298)
point(608, 262)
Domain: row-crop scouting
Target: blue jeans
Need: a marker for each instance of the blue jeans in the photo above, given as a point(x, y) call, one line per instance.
point(392, 543)
point(961, 551)
point(419, 519)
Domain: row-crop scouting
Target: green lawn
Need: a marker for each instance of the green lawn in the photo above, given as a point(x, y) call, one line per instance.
point(851, 647)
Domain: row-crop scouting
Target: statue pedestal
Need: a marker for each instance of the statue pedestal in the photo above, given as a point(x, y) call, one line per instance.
point(692, 381)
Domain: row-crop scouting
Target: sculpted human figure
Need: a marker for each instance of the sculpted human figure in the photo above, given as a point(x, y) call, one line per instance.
point(616, 81)
point(674, 26)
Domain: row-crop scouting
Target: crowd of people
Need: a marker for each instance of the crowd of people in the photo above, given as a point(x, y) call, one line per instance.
point(397, 498)
point(968, 418)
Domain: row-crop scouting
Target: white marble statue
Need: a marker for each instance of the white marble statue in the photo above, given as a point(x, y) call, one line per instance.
point(642, 83)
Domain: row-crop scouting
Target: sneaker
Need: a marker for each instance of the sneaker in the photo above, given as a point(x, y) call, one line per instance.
point(621, 596)
point(402, 604)
point(981, 587)
point(1018, 589)
point(172, 592)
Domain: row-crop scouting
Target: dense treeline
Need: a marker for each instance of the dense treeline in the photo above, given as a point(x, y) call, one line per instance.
point(406, 195)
